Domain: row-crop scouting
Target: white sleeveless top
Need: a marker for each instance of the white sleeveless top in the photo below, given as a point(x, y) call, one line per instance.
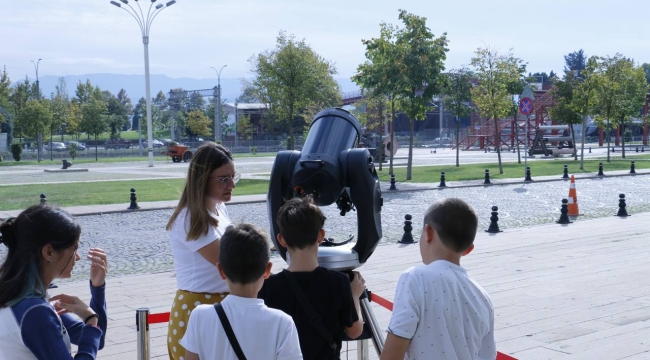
point(11, 339)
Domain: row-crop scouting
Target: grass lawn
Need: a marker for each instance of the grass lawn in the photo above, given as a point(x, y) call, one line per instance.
point(8, 161)
point(110, 192)
point(431, 174)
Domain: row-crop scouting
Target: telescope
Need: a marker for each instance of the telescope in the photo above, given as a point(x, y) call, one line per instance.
point(331, 169)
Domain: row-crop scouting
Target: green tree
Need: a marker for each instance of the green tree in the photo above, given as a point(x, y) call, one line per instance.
point(198, 124)
point(494, 73)
point(421, 58)
point(564, 111)
point(93, 121)
point(457, 97)
point(379, 74)
point(127, 106)
point(646, 70)
point(5, 93)
point(60, 106)
point(634, 89)
point(35, 117)
point(139, 113)
point(290, 77)
point(575, 62)
point(608, 93)
point(21, 93)
point(584, 98)
point(245, 127)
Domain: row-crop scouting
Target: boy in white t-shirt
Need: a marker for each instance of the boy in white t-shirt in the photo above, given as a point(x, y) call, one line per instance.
point(439, 311)
point(261, 332)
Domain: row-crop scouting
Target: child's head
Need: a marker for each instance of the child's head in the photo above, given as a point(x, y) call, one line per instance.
point(301, 223)
point(454, 222)
point(244, 254)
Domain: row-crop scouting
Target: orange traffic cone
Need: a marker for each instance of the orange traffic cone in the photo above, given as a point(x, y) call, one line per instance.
point(573, 199)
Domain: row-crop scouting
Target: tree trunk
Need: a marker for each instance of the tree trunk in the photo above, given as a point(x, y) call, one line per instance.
point(379, 148)
point(409, 165)
point(515, 128)
point(609, 137)
point(392, 134)
point(290, 144)
point(573, 135)
point(457, 141)
point(497, 141)
point(622, 127)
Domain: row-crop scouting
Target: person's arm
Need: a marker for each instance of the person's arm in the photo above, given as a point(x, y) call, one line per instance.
point(394, 348)
point(210, 252)
point(42, 334)
point(289, 348)
point(98, 305)
point(488, 349)
point(191, 356)
point(356, 286)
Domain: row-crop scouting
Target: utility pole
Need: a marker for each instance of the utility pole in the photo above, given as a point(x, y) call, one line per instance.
point(39, 137)
point(217, 106)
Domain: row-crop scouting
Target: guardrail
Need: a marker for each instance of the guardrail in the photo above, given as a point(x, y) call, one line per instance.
point(143, 319)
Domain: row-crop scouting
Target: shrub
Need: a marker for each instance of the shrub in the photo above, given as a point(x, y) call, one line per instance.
point(254, 150)
point(16, 151)
point(72, 149)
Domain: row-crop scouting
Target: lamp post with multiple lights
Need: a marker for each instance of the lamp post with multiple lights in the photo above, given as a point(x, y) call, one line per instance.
point(145, 25)
point(217, 120)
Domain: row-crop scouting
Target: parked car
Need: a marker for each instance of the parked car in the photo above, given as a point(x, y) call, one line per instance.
point(80, 145)
point(117, 144)
point(55, 146)
point(165, 141)
point(156, 143)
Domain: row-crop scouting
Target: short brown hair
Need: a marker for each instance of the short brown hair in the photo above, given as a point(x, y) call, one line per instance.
point(455, 222)
point(244, 253)
point(300, 220)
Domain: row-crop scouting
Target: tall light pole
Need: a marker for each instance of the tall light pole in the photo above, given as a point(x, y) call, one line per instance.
point(39, 136)
point(145, 25)
point(217, 119)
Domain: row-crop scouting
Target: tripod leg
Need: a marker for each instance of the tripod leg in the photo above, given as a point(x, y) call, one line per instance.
point(362, 350)
point(377, 336)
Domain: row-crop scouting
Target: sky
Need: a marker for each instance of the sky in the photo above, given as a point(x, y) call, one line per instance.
point(76, 37)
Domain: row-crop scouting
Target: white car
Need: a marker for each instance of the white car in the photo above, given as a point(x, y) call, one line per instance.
point(56, 146)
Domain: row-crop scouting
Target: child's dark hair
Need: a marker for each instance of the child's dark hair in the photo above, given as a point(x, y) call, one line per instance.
point(25, 236)
point(454, 221)
point(300, 220)
point(244, 253)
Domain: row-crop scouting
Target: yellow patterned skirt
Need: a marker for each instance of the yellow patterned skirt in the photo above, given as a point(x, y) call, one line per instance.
point(184, 303)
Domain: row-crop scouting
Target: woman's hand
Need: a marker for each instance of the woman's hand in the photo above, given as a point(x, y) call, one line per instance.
point(98, 267)
point(67, 303)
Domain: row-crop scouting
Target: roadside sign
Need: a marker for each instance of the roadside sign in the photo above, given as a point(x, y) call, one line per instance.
point(526, 106)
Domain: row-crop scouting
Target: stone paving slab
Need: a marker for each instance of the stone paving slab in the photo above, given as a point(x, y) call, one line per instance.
point(579, 291)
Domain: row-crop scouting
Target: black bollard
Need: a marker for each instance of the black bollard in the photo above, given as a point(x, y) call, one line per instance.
point(407, 238)
point(43, 199)
point(643, 148)
point(442, 180)
point(134, 204)
point(566, 172)
point(632, 170)
point(637, 149)
point(600, 169)
point(590, 149)
point(487, 177)
point(621, 206)
point(434, 150)
point(564, 213)
point(494, 226)
point(613, 149)
point(528, 178)
point(392, 182)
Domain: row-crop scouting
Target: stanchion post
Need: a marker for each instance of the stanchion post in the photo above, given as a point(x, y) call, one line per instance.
point(362, 350)
point(142, 327)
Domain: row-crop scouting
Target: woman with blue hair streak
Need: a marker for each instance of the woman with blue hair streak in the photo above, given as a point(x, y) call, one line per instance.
point(42, 243)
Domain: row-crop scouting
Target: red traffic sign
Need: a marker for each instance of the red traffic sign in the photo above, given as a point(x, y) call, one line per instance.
point(526, 106)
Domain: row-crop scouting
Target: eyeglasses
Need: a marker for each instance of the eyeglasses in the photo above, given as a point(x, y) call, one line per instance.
point(225, 180)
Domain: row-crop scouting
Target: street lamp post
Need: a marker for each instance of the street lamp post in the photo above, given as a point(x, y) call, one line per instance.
point(217, 119)
point(145, 26)
point(39, 136)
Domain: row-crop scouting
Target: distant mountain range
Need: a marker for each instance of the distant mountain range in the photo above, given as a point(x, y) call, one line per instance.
point(135, 86)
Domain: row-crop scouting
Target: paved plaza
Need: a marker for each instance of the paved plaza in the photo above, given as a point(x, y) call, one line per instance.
point(579, 291)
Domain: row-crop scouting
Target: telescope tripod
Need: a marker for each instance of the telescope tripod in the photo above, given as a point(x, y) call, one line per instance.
point(371, 329)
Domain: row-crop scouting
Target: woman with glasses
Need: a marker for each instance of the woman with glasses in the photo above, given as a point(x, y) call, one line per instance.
point(194, 229)
point(42, 243)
